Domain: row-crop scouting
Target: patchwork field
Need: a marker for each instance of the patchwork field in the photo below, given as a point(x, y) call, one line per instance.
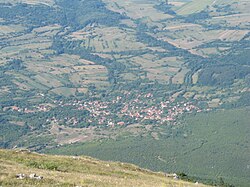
point(106, 39)
point(43, 73)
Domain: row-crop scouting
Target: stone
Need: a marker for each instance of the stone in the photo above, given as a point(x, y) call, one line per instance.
point(20, 176)
point(35, 176)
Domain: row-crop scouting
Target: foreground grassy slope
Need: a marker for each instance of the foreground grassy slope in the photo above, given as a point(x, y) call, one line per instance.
point(76, 171)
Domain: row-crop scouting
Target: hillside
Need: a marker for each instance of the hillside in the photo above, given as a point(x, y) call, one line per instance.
point(67, 74)
point(77, 171)
point(202, 139)
point(83, 76)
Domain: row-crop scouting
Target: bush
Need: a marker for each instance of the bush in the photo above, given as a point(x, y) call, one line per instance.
point(44, 165)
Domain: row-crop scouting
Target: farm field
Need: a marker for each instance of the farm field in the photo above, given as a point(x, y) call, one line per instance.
point(194, 6)
point(137, 9)
point(49, 73)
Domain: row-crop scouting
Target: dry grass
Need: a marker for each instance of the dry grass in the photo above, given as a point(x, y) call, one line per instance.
point(195, 77)
point(77, 171)
point(214, 103)
point(179, 77)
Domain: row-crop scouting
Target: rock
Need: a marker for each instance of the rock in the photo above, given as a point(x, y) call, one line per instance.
point(39, 177)
point(75, 158)
point(35, 176)
point(20, 176)
point(175, 176)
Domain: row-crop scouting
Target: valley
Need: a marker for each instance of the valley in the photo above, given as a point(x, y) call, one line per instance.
point(80, 77)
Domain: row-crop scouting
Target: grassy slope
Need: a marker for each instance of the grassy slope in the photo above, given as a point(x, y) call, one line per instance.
point(76, 171)
point(211, 146)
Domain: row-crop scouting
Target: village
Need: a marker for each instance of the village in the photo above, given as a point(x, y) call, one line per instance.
point(137, 110)
point(120, 111)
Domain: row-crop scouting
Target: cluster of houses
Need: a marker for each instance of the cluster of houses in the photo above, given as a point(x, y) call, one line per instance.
point(121, 110)
point(39, 108)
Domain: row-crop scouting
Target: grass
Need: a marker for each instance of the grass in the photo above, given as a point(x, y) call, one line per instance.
point(138, 9)
point(179, 78)
point(64, 91)
point(77, 171)
point(160, 69)
point(194, 6)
